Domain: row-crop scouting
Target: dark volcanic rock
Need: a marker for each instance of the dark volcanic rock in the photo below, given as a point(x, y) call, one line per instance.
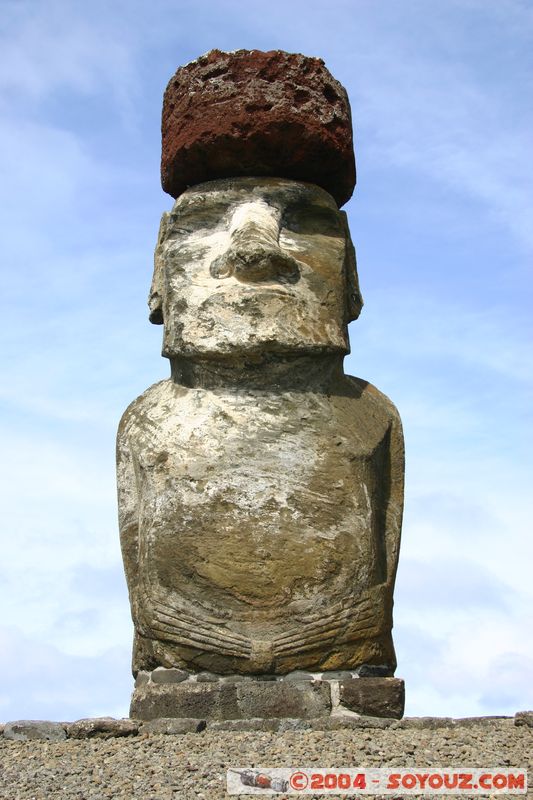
point(298, 675)
point(374, 697)
point(255, 113)
point(102, 728)
point(375, 671)
point(172, 726)
point(222, 701)
point(28, 729)
point(207, 677)
point(524, 718)
point(172, 675)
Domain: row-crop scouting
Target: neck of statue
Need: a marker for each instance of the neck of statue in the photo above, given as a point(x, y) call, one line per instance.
point(268, 372)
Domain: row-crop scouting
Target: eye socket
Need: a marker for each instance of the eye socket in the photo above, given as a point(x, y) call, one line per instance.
point(186, 224)
point(198, 217)
point(311, 219)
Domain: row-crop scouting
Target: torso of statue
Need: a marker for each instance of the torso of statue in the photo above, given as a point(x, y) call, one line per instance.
point(260, 526)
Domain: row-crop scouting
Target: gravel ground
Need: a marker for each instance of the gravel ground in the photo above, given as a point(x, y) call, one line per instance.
point(193, 765)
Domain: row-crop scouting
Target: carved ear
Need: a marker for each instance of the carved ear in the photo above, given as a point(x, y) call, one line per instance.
point(354, 298)
point(155, 298)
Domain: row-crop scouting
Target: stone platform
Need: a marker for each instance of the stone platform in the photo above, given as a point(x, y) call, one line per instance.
point(175, 693)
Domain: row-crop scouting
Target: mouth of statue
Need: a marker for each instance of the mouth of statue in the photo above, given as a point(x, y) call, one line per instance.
point(233, 292)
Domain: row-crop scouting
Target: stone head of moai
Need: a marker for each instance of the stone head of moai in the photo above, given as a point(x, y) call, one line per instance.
point(255, 257)
point(260, 488)
point(253, 267)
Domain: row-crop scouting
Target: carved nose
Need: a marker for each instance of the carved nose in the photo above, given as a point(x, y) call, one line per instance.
point(254, 254)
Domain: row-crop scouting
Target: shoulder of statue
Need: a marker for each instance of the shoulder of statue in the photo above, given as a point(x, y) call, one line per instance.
point(149, 400)
point(372, 394)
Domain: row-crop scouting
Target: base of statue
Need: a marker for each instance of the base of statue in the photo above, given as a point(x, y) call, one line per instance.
point(174, 693)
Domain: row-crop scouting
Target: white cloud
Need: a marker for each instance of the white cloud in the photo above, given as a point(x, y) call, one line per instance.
point(465, 664)
point(50, 47)
point(428, 100)
point(450, 583)
point(39, 681)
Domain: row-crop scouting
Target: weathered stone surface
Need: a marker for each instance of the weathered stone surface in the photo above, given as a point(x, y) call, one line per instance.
point(267, 725)
point(187, 767)
point(253, 113)
point(337, 675)
point(246, 700)
point(102, 728)
point(376, 697)
point(28, 729)
point(474, 722)
point(294, 725)
point(270, 483)
point(173, 726)
point(298, 675)
point(424, 723)
point(142, 677)
point(255, 724)
point(189, 700)
point(339, 723)
point(207, 677)
point(524, 718)
point(301, 700)
point(249, 267)
point(374, 671)
point(172, 675)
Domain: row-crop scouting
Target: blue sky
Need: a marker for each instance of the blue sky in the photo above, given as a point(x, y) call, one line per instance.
point(442, 221)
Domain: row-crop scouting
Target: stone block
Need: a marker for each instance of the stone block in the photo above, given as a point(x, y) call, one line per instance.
point(299, 700)
point(207, 677)
point(142, 677)
point(171, 675)
point(298, 675)
point(475, 722)
point(271, 725)
point(192, 700)
point(424, 723)
point(224, 701)
point(102, 728)
point(374, 671)
point(337, 675)
point(173, 726)
point(339, 723)
point(28, 729)
point(294, 725)
point(255, 724)
point(374, 697)
point(524, 718)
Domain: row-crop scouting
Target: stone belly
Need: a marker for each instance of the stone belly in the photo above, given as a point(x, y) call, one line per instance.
point(259, 547)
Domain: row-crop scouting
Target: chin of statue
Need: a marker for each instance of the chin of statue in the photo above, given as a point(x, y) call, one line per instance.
point(238, 331)
point(255, 350)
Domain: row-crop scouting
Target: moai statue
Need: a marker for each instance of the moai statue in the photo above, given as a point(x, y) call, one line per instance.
point(260, 488)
